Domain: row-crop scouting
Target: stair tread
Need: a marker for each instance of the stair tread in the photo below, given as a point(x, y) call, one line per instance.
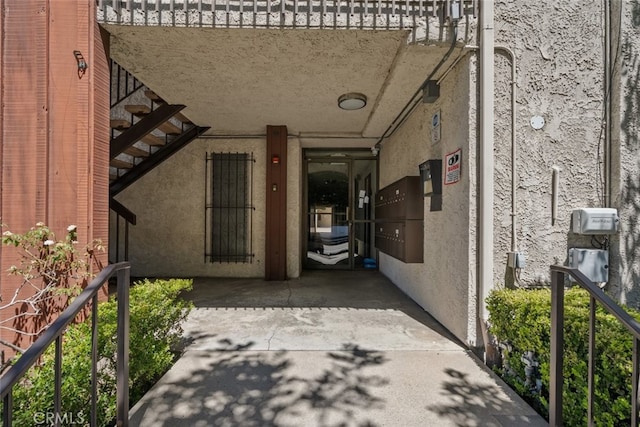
point(120, 164)
point(120, 124)
point(169, 128)
point(136, 152)
point(152, 140)
point(153, 96)
point(138, 109)
point(184, 119)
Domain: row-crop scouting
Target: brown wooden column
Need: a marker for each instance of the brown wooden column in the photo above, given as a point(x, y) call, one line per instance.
point(276, 215)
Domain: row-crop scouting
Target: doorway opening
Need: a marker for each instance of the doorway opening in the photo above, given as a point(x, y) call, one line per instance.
point(339, 189)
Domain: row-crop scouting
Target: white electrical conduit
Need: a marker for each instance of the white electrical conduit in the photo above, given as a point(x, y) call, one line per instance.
point(485, 234)
point(555, 178)
point(512, 57)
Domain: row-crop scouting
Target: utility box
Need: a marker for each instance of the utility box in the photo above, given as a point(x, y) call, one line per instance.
point(595, 221)
point(593, 263)
point(431, 176)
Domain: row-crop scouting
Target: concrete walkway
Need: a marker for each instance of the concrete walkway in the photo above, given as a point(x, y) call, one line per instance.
point(329, 349)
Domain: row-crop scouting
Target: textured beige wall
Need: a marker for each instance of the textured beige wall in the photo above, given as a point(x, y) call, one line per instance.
point(441, 285)
point(294, 206)
point(558, 47)
point(168, 239)
point(627, 166)
point(559, 57)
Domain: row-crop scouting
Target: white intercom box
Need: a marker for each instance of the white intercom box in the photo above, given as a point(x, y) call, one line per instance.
point(595, 221)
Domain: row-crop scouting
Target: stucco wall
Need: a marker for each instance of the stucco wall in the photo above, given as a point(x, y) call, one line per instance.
point(628, 201)
point(560, 72)
point(294, 206)
point(558, 48)
point(441, 285)
point(168, 239)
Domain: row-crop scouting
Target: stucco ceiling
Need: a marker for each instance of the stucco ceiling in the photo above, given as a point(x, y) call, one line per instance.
point(239, 81)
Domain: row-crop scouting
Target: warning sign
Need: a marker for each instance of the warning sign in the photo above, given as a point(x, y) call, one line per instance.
point(453, 166)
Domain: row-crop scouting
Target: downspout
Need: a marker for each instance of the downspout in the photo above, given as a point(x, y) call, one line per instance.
point(486, 165)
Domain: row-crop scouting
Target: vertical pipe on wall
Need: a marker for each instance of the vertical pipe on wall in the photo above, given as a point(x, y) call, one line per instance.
point(555, 183)
point(607, 104)
point(514, 147)
point(485, 238)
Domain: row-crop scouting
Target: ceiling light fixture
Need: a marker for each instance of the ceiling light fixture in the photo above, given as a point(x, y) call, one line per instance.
point(352, 101)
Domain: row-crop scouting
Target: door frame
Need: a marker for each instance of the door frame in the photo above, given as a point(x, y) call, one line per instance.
point(321, 155)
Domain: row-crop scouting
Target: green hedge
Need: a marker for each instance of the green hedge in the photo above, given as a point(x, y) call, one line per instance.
point(521, 319)
point(156, 312)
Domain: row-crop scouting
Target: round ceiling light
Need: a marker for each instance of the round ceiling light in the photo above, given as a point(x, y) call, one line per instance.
point(352, 101)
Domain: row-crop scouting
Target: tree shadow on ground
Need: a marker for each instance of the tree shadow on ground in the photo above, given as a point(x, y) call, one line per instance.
point(241, 387)
point(470, 403)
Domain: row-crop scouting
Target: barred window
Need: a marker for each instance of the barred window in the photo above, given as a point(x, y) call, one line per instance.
point(229, 209)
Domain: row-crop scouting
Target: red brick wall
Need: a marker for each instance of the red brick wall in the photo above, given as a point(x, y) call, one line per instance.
point(54, 131)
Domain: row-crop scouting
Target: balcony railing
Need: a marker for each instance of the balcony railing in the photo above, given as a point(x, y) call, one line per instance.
point(55, 334)
point(423, 17)
point(557, 342)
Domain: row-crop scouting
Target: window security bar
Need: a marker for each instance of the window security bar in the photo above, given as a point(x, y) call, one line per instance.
point(228, 208)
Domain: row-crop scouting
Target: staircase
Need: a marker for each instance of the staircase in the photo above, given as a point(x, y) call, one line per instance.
point(145, 131)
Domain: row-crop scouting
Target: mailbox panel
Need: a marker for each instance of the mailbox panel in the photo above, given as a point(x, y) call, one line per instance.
point(401, 200)
point(401, 240)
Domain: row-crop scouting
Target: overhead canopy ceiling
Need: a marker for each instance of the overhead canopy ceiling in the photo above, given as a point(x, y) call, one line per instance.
point(239, 80)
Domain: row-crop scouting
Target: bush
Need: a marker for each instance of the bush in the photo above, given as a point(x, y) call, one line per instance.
point(521, 319)
point(156, 312)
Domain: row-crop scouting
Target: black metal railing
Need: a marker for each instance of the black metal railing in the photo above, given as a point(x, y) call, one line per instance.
point(123, 83)
point(55, 334)
point(122, 214)
point(558, 274)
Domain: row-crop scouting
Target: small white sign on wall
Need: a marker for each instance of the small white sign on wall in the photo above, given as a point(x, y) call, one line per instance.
point(453, 167)
point(435, 127)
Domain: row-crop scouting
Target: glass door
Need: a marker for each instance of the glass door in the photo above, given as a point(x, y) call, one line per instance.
point(328, 237)
point(339, 195)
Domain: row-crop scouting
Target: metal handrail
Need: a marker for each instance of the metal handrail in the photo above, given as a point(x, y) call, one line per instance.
point(123, 83)
point(55, 332)
point(129, 218)
point(557, 341)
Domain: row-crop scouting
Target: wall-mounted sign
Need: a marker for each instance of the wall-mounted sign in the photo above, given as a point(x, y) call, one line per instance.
point(453, 166)
point(435, 127)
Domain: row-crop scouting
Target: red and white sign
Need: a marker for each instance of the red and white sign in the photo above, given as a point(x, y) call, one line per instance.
point(453, 167)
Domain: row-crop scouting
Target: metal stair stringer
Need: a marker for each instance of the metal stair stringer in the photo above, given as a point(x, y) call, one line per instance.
point(145, 126)
point(154, 160)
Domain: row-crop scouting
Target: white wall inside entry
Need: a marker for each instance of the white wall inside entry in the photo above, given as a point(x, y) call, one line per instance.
point(443, 284)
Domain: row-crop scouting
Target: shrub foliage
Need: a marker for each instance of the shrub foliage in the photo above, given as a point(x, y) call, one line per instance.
point(156, 312)
point(520, 320)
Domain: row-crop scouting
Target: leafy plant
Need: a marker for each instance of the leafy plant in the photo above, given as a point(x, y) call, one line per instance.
point(52, 272)
point(156, 313)
point(521, 319)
